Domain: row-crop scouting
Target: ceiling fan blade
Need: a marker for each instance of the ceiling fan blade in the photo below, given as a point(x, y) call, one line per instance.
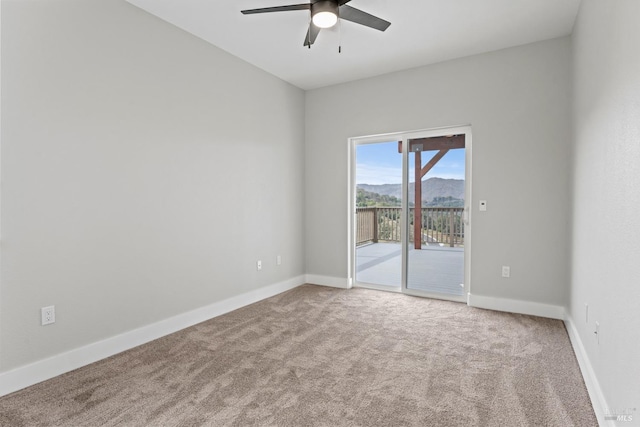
point(363, 18)
point(304, 6)
point(312, 33)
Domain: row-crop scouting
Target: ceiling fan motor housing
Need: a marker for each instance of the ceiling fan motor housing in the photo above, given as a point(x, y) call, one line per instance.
point(325, 6)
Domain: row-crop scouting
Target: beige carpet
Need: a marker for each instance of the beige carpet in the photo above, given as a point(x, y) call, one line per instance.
point(317, 356)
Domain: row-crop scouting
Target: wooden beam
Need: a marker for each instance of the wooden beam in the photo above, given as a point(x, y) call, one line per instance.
point(417, 208)
point(438, 143)
point(435, 159)
point(420, 172)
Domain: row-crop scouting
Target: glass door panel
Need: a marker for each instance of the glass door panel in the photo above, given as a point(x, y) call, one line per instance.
point(378, 222)
point(436, 201)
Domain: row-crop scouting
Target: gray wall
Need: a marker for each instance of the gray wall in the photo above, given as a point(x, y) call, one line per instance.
point(605, 268)
point(144, 172)
point(125, 198)
point(518, 103)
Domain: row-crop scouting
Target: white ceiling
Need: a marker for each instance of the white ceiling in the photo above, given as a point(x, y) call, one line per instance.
point(422, 32)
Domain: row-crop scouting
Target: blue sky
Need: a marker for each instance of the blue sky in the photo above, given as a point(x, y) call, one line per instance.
point(382, 164)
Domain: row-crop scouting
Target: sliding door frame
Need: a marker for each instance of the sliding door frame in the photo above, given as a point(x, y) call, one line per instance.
point(351, 241)
point(405, 137)
point(430, 133)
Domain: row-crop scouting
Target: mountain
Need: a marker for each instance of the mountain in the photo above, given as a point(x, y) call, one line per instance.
point(431, 189)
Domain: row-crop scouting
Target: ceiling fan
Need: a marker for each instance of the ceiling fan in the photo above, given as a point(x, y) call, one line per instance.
point(325, 14)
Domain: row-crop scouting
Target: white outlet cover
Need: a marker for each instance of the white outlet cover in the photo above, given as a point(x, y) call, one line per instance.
point(48, 315)
point(506, 271)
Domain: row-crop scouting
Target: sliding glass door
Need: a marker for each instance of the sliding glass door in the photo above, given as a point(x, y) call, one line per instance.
point(435, 247)
point(379, 219)
point(410, 226)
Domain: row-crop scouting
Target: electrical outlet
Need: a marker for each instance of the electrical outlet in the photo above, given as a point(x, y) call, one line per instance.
point(259, 265)
point(278, 260)
point(506, 271)
point(48, 315)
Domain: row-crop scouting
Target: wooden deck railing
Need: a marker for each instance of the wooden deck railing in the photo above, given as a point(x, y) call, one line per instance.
point(439, 225)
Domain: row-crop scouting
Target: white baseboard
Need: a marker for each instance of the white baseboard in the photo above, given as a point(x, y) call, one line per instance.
point(591, 381)
point(45, 369)
point(334, 282)
point(517, 306)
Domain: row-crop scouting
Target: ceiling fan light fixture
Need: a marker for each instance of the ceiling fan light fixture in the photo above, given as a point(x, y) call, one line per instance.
point(325, 19)
point(324, 14)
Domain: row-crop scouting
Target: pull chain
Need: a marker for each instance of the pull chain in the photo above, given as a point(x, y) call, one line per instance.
point(309, 31)
point(339, 35)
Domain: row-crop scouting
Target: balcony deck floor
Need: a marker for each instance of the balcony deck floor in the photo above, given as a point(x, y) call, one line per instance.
point(432, 269)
